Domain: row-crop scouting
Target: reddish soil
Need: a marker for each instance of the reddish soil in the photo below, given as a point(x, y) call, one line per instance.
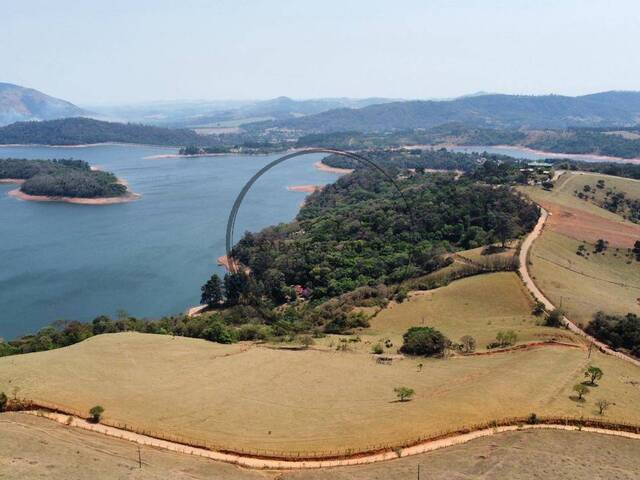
point(581, 225)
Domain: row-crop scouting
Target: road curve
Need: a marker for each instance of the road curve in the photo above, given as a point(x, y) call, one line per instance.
point(274, 464)
point(523, 270)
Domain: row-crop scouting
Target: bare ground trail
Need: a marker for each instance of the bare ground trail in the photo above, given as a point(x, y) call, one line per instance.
point(274, 464)
point(538, 295)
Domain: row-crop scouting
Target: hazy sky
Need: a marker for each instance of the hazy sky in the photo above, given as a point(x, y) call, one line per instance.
point(113, 51)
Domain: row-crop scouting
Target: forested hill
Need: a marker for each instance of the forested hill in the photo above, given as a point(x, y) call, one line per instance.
point(496, 111)
point(358, 231)
point(77, 131)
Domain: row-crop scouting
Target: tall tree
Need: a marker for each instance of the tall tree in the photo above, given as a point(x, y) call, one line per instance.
point(212, 291)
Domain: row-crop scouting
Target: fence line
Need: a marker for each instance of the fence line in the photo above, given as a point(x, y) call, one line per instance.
point(31, 404)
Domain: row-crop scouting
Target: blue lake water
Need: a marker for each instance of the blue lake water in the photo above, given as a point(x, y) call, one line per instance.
point(148, 257)
point(525, 154)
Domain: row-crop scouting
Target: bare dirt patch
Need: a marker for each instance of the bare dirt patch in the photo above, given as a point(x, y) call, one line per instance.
point(581, 225)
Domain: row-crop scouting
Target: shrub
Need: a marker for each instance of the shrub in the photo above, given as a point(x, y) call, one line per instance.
point(467, 344)
point(95, 414)
point(377, 349)
point(306, 341)
point(538, 309)
point(404, 393)
point(554, 319)
point(504, 338)
point(253, 332)
point(424, 341)
point(3, 401)
point(219, 332)
point(532, 419)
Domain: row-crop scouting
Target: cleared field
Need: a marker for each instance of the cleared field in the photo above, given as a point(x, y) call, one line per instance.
point(476, 254)
point(32, 447)
point(479, 306)
point(582, 220)
point(317, 401)
point(584, 285)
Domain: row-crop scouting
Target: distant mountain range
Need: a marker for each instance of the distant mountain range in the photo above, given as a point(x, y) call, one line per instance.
point(489, 111)
point(20, 104)
point(226, 113)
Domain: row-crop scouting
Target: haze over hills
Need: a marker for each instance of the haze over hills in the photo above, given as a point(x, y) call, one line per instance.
point(213, 113)
point(493, 110)
point(19, 104)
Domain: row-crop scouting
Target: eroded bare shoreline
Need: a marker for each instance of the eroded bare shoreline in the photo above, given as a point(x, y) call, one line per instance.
point(129, 197)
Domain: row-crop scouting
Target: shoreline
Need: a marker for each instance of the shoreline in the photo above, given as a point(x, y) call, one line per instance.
point(586, 157)
point(129, 197)
point(17, 181)
point(305, 188)
point(323, 167)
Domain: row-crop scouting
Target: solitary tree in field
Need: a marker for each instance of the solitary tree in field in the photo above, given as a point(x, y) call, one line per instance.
point(603, 405)
point(212, 291)
point(581, 390)
point(593, 374)
point(95, 414)
point(3, 401)
point(404, 393)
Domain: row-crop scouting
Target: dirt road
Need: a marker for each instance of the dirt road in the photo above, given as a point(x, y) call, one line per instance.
point(273, 464)
point(538, 295)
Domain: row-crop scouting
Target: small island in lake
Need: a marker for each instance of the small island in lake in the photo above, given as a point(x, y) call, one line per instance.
point(64, 180)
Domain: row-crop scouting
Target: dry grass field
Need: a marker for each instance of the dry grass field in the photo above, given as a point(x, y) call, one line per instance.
point(479, 306)
point(584, 285)
point(477, 255)
point(583, 220)
point(260, 398)
point(32, 447)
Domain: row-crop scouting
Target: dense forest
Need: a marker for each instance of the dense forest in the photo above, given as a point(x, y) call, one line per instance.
point(490, 168)
point(76, 131)
point(61, 178)
point(451, 133)
point(358, 231)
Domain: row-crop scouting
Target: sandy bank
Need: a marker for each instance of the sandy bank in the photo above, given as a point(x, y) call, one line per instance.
point(223, 261)
point(129, 197)
point(304, 188)
point(18, 181)
point(326, 168)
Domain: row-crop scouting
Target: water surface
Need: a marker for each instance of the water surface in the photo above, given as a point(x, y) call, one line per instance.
point(149, 257)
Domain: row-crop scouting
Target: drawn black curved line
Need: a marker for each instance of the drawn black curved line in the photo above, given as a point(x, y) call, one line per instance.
point(359, 158)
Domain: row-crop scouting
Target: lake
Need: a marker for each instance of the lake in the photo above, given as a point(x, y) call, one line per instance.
point(148, 257)
point(530, 154)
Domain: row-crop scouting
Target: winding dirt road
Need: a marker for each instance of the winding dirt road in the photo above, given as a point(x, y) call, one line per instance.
point(261, 463)
point(538, 295)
